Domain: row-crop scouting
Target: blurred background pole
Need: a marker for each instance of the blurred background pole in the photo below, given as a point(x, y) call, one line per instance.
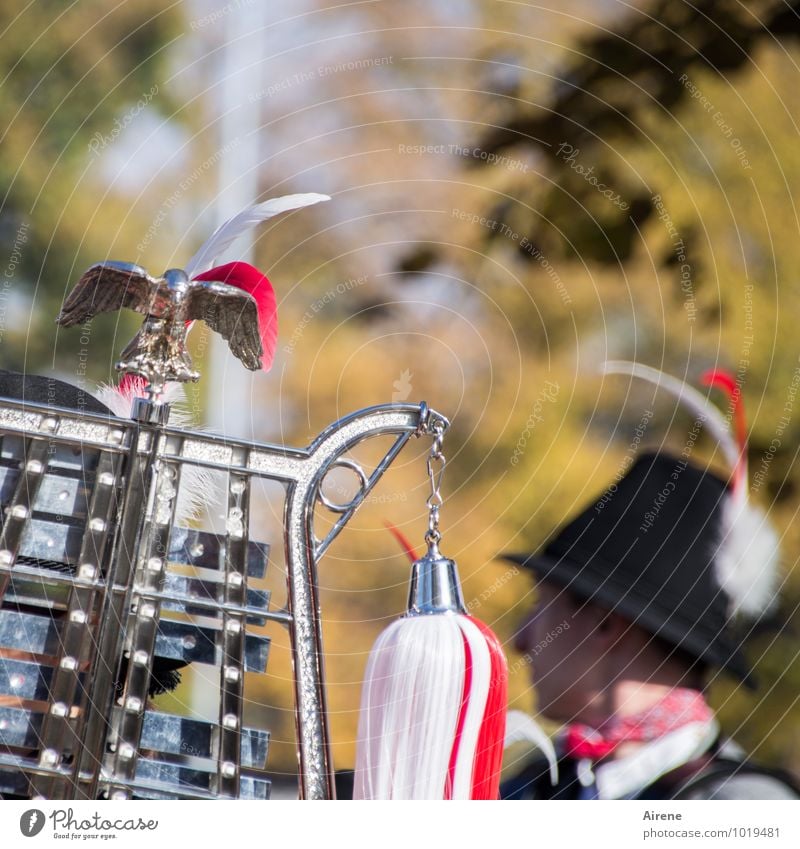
point(231, 388)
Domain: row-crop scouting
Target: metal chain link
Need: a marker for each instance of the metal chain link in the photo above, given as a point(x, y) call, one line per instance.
point(434, 502)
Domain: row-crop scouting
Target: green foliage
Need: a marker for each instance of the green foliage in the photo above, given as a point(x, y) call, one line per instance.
point(696, 134)
point(490, 290)
point(70, 73)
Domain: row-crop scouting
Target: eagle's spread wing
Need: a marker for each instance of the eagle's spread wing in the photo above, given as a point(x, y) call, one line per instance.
point(231, 312)
point(106, 287)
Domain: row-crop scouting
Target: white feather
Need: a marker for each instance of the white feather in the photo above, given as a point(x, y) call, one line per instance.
point(228, 232)
point(410, 703)
point(688, 395)
point(747, 560)
point(523, 728)
point(115, 399)
point(120, 401)
point(196, 483)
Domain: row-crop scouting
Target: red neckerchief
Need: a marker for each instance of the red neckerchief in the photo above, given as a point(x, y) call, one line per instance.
point(679, 707)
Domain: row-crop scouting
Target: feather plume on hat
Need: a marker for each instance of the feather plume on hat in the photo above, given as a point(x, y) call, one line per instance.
point(747, 556)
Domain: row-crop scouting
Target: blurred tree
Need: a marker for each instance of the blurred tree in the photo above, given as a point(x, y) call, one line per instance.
point(464, 260)
point(74, 78)
point(660, 169)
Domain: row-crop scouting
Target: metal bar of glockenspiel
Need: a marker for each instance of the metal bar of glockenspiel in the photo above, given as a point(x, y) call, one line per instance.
point(142, 624)
point(138, 467)
point(18, 512)
point(302, 470)
point(26, 765)
point(34, 465)
point(61, 580)
point(211, 607)
point(57, 727)
point(233, 627)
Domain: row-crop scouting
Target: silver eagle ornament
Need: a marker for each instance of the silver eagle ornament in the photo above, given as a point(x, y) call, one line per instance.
point(169, 303)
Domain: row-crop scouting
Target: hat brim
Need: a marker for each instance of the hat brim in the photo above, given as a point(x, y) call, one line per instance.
point(639, 604)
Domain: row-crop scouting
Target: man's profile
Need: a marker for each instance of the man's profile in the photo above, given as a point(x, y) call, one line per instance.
point(640, 584)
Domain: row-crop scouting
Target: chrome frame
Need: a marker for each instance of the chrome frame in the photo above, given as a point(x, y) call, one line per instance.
point(129, 584)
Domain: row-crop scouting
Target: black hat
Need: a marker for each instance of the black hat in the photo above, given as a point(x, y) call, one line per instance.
point(38, 389)
point(651, 548)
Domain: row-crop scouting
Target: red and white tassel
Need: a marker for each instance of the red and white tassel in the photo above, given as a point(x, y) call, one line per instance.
point(491, 739)
point(433, 705)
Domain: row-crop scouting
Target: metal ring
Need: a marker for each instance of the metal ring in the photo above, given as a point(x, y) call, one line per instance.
point(357, 498)
point(424, 413)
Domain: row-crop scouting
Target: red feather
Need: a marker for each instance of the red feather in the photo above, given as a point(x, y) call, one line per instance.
point(404, 541)
point(248, 278)
point(133, 386)
point(725, 381)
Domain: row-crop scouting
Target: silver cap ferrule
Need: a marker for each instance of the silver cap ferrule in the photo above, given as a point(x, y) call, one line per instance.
point(435, 587)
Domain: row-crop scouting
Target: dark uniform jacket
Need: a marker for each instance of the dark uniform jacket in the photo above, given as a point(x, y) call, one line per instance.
point(721, 773)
